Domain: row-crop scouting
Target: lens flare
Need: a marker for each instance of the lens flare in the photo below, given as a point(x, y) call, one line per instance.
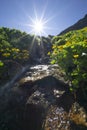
point(39, 23)
point(38, 27)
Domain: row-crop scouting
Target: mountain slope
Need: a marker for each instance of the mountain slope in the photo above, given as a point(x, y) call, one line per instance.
point(78, 25)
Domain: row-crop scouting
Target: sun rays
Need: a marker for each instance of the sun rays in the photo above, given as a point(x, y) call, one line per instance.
point(38, 25)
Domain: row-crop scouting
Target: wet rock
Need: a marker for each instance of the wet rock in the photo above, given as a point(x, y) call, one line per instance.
point(78, 114)
point(41, 100)
point(57, 119)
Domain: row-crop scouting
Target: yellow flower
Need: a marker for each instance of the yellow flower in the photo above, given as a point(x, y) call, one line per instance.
point(76, 56)
point(15, 50)
point(68, 44)
point(60, 47)
point(6, 54)
point(55, 52)
point(49, 53)
point(54, 46)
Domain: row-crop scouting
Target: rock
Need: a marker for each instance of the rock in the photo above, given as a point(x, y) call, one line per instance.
point(39, 100)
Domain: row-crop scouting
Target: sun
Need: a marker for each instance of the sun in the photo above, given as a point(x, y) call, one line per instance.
point(38, 24)
point(38, 27)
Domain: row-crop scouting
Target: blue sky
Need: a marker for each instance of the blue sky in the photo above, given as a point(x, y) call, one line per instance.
point(59, 13)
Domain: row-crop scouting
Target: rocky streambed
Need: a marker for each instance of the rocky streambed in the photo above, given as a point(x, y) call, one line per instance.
point(40, 100)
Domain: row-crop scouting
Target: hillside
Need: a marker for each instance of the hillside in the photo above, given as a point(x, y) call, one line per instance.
point(18, 49)
point(70, 52)
point(78, 25)
point(33, 92)
point(17, 45)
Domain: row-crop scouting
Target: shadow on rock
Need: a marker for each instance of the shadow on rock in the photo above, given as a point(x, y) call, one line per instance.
point(66, 101)
point(50, 82)
point(17, 114)
point(33, 117)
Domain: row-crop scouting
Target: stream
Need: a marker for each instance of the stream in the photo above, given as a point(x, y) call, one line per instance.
point(40, 100)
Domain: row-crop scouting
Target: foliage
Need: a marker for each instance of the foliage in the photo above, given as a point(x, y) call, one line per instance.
point(1, 63)
point(19, 47)
point(12, 48)
point(70, 52)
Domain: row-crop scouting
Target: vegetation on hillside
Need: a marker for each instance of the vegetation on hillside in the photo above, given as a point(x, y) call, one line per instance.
point(19, 48)
point(70, 52)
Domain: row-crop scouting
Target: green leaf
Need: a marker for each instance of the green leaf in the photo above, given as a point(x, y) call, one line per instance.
point(1, 63)
point(71, 89)
point(53, 62)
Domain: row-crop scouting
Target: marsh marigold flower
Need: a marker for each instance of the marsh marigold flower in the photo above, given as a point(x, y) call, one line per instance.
point(76, 56)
